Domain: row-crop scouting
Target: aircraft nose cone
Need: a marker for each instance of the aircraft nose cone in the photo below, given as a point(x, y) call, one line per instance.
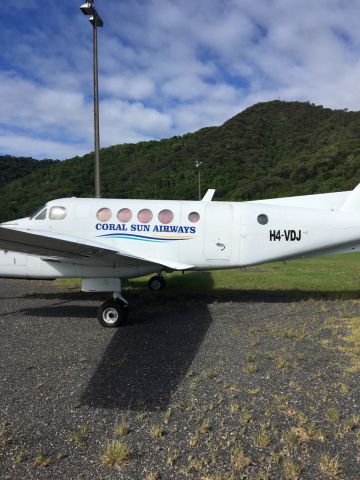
point(13, 223)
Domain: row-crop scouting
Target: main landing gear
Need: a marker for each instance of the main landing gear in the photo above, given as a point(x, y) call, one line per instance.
point(113, 313)
point(158, 282)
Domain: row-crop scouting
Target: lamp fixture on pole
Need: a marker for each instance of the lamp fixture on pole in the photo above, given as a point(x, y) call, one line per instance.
point(89, 10)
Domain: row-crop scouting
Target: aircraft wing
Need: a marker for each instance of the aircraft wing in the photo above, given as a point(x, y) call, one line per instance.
point(67, 247)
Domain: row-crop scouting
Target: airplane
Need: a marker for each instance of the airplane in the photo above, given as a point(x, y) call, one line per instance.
point(105, 242)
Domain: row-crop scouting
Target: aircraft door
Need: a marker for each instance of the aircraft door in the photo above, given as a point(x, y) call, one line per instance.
point(218, 231)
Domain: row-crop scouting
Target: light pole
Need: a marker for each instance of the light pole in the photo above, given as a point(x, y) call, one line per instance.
point(198, 165)
point(88, 9)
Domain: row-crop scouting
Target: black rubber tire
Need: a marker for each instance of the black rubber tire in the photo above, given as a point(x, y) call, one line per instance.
point(157, 283)
point(113, 314)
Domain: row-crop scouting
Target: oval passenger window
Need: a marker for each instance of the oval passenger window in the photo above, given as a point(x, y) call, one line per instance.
point(145, 215)
point(194, 217)
point(124, 215)
point(166, 216)
point(104, 214)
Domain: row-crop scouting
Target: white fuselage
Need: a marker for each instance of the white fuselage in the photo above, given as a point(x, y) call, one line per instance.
point(225, 235)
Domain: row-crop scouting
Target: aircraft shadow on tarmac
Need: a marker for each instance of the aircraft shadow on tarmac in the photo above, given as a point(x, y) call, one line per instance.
point(145, 362)
point(218, 294)
point(66, 305)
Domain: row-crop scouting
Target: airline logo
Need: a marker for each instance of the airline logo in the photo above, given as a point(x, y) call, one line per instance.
point(146, 233)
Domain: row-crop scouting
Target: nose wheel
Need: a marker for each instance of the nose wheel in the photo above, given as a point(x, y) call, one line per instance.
point(113, 314)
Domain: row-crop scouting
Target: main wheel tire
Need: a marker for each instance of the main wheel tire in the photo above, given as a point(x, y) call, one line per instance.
point(157, 283)
point(113, 314)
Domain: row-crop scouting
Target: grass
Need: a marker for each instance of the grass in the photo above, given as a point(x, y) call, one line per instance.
point(116, 453)
point(281, 363)
point(254, 391)
point(334, 276)
point(291, 469)
point(79, 437)
point(261, 439)
point(193, 440)
point(71, 283)
point(239, 459)
point(250, 368)
point(245, 415)
point(203, 427)
point(234, 407)
point(352, 339)
point(156, 431)
point(330, 465)
point(333, 415)
point(121, 429)
point(153, 476)
point(41, 460)
point(19, 457)
point(291, 440)
point(4, 435)
point(172, 457)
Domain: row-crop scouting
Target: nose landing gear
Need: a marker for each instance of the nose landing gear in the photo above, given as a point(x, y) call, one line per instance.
point(114, 313)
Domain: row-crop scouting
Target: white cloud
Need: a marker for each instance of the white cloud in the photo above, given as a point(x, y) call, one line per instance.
point(39, 148)
point(168, 67)
point(131, 122)
point(27, 105)
point(134, 87)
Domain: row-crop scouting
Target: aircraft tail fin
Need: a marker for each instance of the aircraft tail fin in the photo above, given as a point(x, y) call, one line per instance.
point(352, 201)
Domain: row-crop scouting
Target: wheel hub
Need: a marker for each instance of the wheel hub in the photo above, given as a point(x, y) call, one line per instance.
point(110, 315)
point(156, 284)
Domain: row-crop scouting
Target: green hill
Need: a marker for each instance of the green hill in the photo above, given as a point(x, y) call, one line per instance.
point(271, 149)
point(16, 167)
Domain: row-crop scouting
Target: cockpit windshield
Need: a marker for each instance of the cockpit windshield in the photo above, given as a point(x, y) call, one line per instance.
point(38, 210)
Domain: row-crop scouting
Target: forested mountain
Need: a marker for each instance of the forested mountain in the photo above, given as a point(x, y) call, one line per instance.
point(271, 149)
point(16, 167)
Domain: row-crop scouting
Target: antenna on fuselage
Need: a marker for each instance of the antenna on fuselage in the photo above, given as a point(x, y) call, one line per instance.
point(208, 195)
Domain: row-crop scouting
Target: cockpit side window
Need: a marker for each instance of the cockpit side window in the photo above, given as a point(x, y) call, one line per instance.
point(57, 213)
point(35, 212)
point(42, 215)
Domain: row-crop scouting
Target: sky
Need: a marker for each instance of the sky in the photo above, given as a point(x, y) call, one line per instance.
point(166, 67)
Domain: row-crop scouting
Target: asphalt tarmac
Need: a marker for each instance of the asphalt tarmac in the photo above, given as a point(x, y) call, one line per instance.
point(254, 386)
